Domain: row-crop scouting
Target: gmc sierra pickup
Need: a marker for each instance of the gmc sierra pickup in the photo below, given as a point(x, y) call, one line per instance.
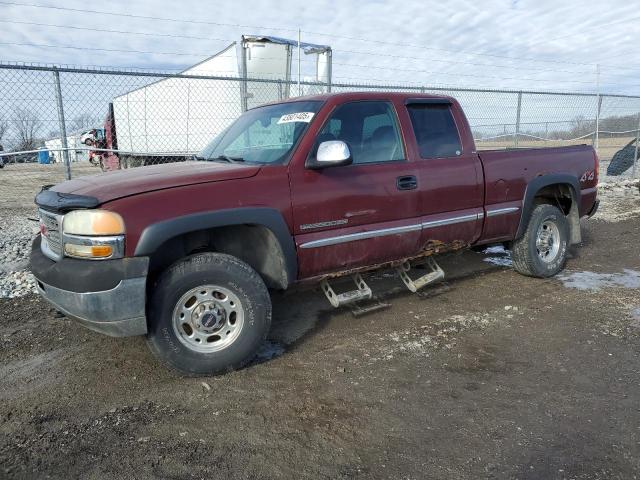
point(304, 190)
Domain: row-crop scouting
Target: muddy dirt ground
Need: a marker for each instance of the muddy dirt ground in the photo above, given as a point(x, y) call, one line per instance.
point(488, 375)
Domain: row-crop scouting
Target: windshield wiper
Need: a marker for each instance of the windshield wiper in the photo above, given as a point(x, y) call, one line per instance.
point(229, 159)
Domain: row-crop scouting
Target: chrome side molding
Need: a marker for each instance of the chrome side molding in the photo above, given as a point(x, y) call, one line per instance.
point(352, 237)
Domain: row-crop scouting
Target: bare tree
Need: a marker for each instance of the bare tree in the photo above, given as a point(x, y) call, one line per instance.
point(83, 122)
point(581, 126)
point(27, 127)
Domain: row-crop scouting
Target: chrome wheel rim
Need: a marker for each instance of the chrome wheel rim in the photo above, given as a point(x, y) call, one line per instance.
point(208, 318)
point(548, 241)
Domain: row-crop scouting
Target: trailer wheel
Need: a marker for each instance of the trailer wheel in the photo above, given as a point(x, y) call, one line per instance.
point(542, 250)
point(209, 314)
point(622, 161)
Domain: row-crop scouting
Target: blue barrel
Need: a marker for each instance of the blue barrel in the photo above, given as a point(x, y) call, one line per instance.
point(43, 156)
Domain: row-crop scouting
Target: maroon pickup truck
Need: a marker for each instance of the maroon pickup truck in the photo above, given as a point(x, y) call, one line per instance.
point(305, 190)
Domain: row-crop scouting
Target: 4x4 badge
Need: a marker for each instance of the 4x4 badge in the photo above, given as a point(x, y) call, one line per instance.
point(589, 175)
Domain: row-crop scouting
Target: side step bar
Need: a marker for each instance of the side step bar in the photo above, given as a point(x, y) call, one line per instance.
point(362, 292)
point(434, 275)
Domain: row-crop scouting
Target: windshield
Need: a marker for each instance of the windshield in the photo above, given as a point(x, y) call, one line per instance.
point(263, 135)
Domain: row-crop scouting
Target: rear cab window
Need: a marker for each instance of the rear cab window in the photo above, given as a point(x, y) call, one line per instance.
point(435, 129)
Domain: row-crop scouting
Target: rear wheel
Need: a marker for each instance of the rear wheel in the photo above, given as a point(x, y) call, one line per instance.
point(209, 314)
point(542, 250)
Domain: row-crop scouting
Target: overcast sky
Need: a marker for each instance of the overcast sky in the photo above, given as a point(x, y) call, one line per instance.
point(529, 44)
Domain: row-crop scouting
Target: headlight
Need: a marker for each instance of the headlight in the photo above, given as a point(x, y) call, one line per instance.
point(93, 222)
point(93, 234)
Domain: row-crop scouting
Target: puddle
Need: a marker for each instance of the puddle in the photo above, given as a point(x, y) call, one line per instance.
point(500, 256)
point(598, 281)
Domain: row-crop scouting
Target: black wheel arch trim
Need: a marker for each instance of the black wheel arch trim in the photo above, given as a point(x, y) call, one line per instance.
point(537, 184)
point(156, 234)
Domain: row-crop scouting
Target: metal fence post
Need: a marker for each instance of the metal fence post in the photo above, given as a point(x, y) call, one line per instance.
point(299, 59)
point(515, 142)
point(330, 70)
point(188, 111)
point(244, 87)
point(634, 170)
point(596, 138)
point(63, 128)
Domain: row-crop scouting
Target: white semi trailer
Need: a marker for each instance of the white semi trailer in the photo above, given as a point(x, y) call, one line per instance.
point(173, 118)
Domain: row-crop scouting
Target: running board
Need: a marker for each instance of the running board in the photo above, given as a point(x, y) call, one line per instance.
point(434, 275)
point(362, 292)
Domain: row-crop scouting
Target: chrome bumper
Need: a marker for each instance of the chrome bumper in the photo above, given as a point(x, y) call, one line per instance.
point(119, 312)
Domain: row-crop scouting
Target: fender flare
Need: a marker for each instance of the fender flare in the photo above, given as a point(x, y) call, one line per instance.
point(156, 234)
point(537, 184)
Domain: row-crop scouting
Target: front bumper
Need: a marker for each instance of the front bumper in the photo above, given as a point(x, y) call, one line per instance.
point(106, 296)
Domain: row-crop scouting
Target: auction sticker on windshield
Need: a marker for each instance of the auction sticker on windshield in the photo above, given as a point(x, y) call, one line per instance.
point(296, 117)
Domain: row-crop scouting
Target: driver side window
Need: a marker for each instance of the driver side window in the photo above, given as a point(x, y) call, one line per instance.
point(369, 128)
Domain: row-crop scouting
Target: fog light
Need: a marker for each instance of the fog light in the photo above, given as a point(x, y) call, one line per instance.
point(88, 251)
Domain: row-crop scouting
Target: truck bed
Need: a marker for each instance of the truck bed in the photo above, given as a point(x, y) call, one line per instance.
point(508, 172)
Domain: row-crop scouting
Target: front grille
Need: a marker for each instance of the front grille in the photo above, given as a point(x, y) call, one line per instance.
point(51, 233)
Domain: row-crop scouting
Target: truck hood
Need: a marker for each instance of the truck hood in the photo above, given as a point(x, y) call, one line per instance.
point(123, 183)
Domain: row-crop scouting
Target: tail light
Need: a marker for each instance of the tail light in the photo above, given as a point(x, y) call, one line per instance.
point(596, 167)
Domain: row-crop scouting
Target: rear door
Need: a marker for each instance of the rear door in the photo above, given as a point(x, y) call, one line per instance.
point(450, 176)
point(361, 214)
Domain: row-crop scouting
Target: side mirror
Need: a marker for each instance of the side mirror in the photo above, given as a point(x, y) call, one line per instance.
point(332, 153)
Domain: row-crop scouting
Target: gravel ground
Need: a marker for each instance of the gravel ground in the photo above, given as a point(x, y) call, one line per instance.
point(17, 230)
point(487, 375)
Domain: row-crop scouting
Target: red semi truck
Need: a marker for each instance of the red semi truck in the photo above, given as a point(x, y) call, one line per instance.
point(294, 192)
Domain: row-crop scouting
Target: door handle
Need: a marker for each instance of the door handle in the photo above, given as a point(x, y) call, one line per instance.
point(407, 182)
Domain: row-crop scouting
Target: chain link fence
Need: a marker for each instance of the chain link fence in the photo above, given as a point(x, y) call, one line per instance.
point(58, 123)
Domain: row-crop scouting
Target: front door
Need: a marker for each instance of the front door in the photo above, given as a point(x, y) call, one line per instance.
point(361, 214)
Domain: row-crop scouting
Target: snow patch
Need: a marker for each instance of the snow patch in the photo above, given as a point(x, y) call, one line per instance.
point(501, 257)
point(598, 281)
point(495, 249)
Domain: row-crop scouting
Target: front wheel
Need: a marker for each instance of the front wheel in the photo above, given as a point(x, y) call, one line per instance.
point(542, 250)
point(209, 314)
